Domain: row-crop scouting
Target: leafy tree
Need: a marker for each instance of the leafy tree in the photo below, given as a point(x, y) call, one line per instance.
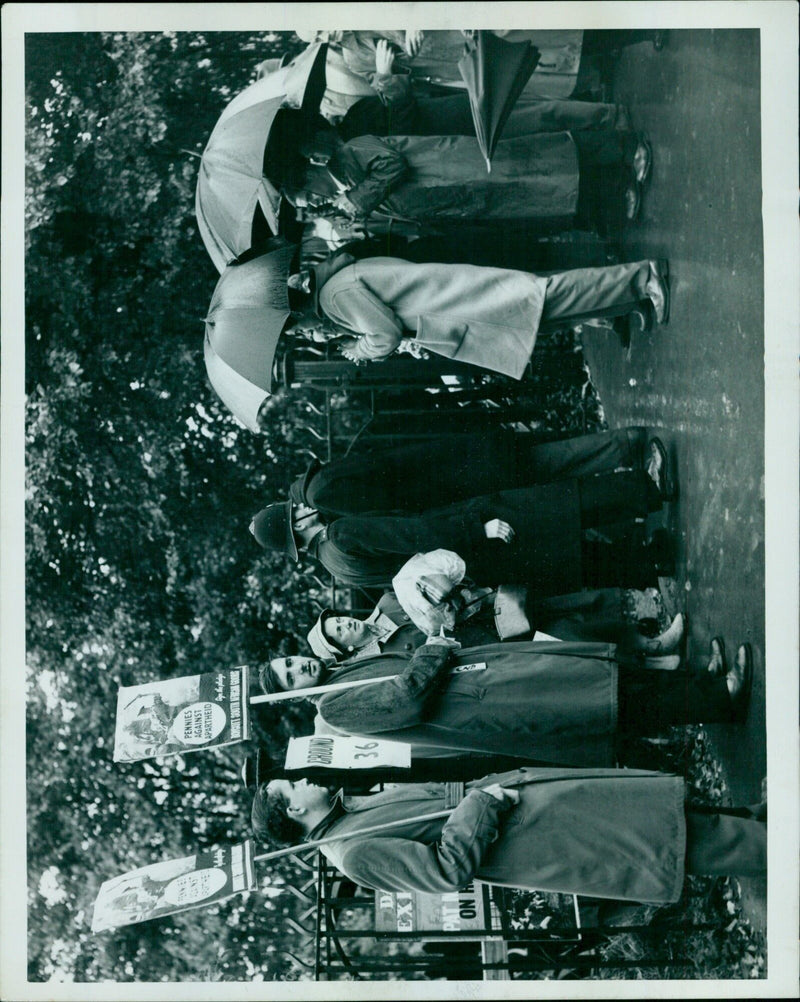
point(139, 489)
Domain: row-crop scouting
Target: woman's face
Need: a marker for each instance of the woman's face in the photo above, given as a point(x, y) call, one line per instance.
point(347, 632)
point(297, 672)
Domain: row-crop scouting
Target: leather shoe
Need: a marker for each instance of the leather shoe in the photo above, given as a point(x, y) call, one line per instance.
point(642, 159)
point(740, 683)
point(633, 201)
point(657, 289)
point(718, 665)
point(658, 470)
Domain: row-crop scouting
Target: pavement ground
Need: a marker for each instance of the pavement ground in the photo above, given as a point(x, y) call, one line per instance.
point(699, 381)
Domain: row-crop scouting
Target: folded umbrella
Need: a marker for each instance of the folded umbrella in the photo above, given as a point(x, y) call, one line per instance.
point(495, 72)
point(247, 314)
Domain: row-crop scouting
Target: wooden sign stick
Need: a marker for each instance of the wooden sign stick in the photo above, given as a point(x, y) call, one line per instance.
point(317, 843)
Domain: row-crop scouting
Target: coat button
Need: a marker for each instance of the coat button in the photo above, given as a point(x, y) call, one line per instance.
point(405, 618)
point(409, 647)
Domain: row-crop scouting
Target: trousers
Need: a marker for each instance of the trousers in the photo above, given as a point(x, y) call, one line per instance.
point(649, 701)
point(722, 843)
point(582, 292)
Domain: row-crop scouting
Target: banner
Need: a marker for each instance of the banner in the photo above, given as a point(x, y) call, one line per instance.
point(179, 715)
point(175, 885)
point(405, 913)
point(346, 753)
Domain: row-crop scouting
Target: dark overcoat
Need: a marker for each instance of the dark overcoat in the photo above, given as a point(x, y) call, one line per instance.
point(544, 701)
point(545, 553)
point(606, 833)
point(400, 478)
point(432, 178)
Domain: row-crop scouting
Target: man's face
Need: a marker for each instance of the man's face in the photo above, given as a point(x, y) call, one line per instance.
point(346, 632)
point(297, 672)
point(304, 517)
point(302, 795)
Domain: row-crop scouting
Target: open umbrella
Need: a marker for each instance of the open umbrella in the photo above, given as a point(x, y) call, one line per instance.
point(495, 73)
point(299, 82)
point(248, 311)
point(231, 182)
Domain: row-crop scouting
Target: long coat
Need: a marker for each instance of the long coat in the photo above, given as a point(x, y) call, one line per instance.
point(596, 832)
point(400, 478)
point(431, 178)
point(483, 316)
point(545, 553)
point(544, 701)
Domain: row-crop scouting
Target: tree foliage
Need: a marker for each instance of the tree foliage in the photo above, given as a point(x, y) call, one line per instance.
point(139, 489)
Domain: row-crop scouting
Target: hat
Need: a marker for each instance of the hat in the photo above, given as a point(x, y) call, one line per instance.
point(273, 530)
point(321, 646)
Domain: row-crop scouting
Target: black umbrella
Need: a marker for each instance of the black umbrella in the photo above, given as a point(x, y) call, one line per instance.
point(495, 72)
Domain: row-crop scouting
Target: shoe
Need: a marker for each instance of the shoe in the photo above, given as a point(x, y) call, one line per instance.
point(633, 201)
point(657, 289)
point(668, 640)
point(658, 470)
point(642, 159)
point(740, 683)
point(718, 665)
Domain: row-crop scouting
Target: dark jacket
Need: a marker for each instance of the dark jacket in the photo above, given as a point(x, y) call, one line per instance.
point(545, 701)
point(444, 177)
point(398, 478)
point(545, 554)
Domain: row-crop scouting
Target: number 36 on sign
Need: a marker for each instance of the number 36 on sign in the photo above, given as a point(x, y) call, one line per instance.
point(336, 752)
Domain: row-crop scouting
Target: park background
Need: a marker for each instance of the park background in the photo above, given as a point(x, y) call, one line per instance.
point(122, 423)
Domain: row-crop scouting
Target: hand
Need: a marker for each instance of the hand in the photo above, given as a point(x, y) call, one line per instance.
point(384, 57)
point(343, 204)
point(502, 793)
point(413, 42)
point(349, 348)
point(434, 589)
point(498, 529)
point(440, 640)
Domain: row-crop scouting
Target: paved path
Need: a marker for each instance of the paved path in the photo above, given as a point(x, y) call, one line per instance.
point(700, 379)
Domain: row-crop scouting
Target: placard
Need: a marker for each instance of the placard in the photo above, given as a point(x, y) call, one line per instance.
point(175, 885)
point(334, 752)
point(408, 913)
point(178, 715)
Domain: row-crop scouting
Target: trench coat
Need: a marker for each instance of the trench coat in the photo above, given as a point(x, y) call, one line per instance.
point(400, 478)
point(545, 554)
point(432, 178)
point(601, 833)
point(544, 701)
point(482, 316)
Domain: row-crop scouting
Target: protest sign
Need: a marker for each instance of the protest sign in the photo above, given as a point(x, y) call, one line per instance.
point(335, 752)
point(180, 715)
point(406, 913)
point(175, 885)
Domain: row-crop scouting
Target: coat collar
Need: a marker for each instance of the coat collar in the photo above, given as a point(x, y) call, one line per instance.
point(324, 271)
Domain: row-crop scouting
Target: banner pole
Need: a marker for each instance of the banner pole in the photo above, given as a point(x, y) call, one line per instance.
point(317, 690)
point(317, 843)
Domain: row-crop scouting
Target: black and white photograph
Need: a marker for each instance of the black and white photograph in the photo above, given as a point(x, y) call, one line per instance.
point(400, 500)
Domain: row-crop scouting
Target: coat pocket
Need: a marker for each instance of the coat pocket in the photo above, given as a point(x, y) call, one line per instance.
point(441, 334)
